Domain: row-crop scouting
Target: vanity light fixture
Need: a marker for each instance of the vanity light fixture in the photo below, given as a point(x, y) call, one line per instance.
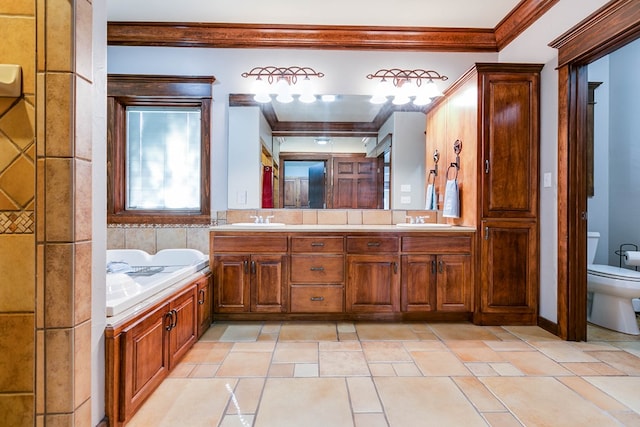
point(405, 86)
point(284, 82)
point(322, 140)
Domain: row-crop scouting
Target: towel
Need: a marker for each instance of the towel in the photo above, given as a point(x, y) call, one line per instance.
point(451, 207)
point(432, 198)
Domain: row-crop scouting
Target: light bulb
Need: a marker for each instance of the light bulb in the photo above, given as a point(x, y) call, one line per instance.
point(261, 91)
point(432, 89)
point(284, 91)
point(383, 89)
point(306, 91)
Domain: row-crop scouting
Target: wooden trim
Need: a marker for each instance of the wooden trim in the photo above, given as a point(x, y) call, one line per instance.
point(606, 30)
point(519, 19)
point(124, 90)
point(229, 35)
point(602, 32)
point(548, 325)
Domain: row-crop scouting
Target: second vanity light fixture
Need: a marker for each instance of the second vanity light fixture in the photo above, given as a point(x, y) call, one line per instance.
point(406, 85)
point(284, 82)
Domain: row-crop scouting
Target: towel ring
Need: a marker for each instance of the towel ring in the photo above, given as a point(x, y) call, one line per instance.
point(432, 173)
point(453, 166)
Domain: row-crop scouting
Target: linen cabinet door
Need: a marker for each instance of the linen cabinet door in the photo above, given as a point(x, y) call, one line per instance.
point(509, 273)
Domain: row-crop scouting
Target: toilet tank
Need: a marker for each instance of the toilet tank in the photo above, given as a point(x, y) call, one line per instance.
point(592, 245)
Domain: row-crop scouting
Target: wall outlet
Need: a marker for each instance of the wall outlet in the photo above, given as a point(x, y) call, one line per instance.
point(546, 179)
point(405, 188)
point(405, 200)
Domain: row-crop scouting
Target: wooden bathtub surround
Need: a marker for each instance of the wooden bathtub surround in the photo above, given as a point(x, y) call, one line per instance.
point(144, 346)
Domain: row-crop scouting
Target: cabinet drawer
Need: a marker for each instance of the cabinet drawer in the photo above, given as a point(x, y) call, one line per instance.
point(317, 269)
point(437, 245)
point(372, 244)
point(250, 244)
point(316, 299)
point(317, 244)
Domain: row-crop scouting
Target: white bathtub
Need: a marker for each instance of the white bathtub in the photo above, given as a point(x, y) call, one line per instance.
point(139, 275)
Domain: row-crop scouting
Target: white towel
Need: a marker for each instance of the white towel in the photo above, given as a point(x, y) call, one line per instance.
point(432, 198)
point(451, 207)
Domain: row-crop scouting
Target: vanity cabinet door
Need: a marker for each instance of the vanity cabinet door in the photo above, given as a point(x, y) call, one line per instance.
point(231, 283)
point(183, 309)
point(146, 359)
point(204, 304)
point(268, 283)
point(373, 283)
point(454, 290)
point(418, 289)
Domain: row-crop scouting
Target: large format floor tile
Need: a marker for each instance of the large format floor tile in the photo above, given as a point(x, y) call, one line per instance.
point(350, 374)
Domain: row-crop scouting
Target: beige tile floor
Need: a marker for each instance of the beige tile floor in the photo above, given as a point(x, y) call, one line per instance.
point(327, 374)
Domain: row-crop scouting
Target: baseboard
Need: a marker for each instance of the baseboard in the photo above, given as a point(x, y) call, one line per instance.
point(548, 325)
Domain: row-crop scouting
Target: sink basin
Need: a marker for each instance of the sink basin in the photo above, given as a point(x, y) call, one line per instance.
point(426, 225)
point(258, 224)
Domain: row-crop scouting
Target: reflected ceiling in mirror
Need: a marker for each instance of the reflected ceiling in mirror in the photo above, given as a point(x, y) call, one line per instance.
point(348, 116)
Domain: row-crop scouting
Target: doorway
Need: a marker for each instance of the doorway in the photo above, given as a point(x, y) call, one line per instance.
point(618, 24)
point(304, 184)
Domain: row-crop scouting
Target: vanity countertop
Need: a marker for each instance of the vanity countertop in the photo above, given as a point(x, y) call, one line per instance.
point(310, 228)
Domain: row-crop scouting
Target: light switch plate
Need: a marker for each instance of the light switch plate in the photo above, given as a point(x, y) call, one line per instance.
point(405, 200)
point(405, 188)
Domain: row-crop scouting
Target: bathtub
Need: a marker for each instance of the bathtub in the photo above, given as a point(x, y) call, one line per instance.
point(134, 275)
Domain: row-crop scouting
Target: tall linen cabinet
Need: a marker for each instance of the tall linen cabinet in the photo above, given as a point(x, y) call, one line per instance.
point(494, 111)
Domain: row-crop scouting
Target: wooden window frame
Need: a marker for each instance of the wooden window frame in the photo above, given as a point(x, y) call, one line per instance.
point(158, 91)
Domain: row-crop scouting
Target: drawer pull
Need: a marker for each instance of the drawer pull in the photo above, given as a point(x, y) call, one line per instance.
point(317, 298)
point(373, 244)
point(317, 269)
point(317, 244)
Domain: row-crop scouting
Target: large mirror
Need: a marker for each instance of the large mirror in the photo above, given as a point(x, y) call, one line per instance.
point(336, 154)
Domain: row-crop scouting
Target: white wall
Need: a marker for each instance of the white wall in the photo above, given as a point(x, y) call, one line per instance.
point(244, 155)
point(624, 149)
point(598, 205)
point(407, 161)
point(99, 211)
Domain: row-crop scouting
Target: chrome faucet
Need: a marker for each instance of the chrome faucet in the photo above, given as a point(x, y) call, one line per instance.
point(267, 220)
point(258, 219)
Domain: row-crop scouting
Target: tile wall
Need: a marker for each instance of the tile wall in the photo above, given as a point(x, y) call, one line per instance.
point(17, 218)
point(45, 215)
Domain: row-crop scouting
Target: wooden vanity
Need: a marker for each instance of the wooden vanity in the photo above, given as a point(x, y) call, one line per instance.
point(342, 273)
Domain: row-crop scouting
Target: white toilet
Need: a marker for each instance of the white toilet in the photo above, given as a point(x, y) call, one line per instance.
point(611, 291)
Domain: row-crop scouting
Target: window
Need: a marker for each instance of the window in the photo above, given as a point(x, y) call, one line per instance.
point(158, 149)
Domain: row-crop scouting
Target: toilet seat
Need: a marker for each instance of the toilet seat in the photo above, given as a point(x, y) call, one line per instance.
point(612, 272)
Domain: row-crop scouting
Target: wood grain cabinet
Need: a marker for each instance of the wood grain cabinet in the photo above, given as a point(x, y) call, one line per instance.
point(508, 197)
point(250, 274)
point(205, 304)
point(373, 274)
point(141, 350)
point(317, 274)
point(437, 274)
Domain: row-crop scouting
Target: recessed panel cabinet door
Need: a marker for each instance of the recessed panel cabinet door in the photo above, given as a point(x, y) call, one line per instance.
point(510, 145)
point(146, 359)
point(268, 286)
point(355, 183)
point(509, 269)
point(231, 283)
point(373, 283)
point(454, 284)
point(418, 289)
point(184, 331)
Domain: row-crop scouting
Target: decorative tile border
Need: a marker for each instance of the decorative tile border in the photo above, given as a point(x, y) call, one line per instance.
point(12, 222)
point(213, 222)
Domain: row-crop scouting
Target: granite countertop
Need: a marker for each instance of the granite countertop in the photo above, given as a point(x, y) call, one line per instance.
point(441, 228)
